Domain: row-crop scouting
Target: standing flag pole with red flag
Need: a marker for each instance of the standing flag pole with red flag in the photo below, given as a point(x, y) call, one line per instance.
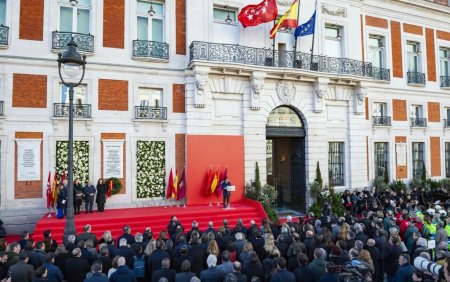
point(169, 185)
point(49, 192)
point(208, 184)
point(182, 187)
point(175, 187)
point(54, 190)
point(252, 15)
point(288, 20)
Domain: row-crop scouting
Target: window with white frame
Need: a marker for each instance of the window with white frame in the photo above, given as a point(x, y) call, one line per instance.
point(444, 58)
point(377, 51)
point(150, 20)
point(333, 37)
point(150, 97)
point(336, 163)
point(224, 15)
point(417, 159)
point(79, 94)
point(416, 111)
point(379, 109)
point(75, 18)
point(381, 159)
point(3, 12)
point(413, 53)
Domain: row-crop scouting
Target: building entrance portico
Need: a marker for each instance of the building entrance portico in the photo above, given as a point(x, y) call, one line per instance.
point(285, 157)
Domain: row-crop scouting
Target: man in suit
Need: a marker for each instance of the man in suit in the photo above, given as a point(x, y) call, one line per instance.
point(127, 235)
point(282, 275)
point(185, 275)
point(76, 267)
point(155, 259)
point(226, 193)
point(89, 192)
point(87, 234)
point(212, 274)
point(237, 268)
point(123, 273)
point(165, 272)
point(22, 271)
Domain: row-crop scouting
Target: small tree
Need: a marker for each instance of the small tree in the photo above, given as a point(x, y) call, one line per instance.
point(386, 174)
point(257, 180)
point(424, 173)
point(319, 175)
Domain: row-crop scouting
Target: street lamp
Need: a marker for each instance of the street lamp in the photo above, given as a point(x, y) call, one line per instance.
point(72, 64)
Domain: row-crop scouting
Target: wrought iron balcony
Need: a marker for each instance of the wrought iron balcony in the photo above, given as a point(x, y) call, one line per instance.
point(418, 122)
point(417, 78)
point(381, 121)
point(146, 112)
point(4, 33)
point(230, 53)
point(79, 110)
point(445, 81)
point(446, 122)
point(85, 42)
point(1, 108)
point(381, 74)
point(150, 50)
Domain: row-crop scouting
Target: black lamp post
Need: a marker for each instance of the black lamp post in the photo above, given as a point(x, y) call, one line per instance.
point(72, 64)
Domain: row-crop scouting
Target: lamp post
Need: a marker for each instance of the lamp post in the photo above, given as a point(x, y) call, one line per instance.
point(72, 64)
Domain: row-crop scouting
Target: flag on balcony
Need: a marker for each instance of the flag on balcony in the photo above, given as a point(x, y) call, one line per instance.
point(169, 190)
point(263, 12)
point(54, 189)
point(306, 28)
point(181, 187)
point(215, 181)
point(49, 190)
point(208, 180)
point(288, 20)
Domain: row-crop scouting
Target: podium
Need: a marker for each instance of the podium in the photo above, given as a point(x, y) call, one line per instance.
point(231, 188)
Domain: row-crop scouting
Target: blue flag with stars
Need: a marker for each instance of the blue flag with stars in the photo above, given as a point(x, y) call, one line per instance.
point(306, 28)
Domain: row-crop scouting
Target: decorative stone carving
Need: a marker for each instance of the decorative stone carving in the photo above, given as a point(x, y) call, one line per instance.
point(360, 96)
point(286, 91)
point(201, 80)
point(334, 11)
point(257, 82)
point(320, 90)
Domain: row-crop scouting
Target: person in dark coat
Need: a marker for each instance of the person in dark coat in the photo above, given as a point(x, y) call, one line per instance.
point(87, 235)
point(97, 275)
point(375, 255)
point(185, 275)
point(61, 201)
point(89, 192)
point(237, 268)
point(125, 251)
point(330, 276)
point(100, 198)
point(38, 257)
point(310, 244)
point(22, 271)
point(254, 268)
point(212, 274)
point(303, 272)
point(183, 256)
point(198, 254)
point(165, 272)
point(123, 273)
point(405, 270)
point(155, 259)
point(54, 274)
point(3, 259)
point(391, 255)
point(77, 196)
point(76, 267)
point(282, 275)
point(127, 235)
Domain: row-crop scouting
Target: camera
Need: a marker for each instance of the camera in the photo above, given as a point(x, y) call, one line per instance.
point(423, 264)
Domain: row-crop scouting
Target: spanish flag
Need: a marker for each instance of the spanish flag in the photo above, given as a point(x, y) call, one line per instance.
point(289, 19)
point(175, 185)
point(215, 181)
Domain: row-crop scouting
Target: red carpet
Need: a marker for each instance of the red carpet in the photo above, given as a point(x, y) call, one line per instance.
point(155, 217)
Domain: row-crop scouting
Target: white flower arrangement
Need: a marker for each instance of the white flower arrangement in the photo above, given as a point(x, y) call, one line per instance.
point(151, 169)
point(80, 159)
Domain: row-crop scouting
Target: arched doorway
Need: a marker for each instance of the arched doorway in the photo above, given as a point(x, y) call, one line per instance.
point(285, 156)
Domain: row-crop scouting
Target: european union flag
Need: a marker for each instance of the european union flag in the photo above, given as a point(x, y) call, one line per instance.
point(306, 28)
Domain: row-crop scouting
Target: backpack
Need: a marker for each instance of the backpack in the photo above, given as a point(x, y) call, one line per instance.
point(139, 266)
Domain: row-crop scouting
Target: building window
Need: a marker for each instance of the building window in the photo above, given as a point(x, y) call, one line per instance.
point(413, 56)
point(150, 28)
point(444, 57)
point(417, 159)
point(75, 18)
point(379, 109)
point(416, 111)
point(3, 12)
point(447, 159)
point(150, 97)
point(336, 165)
point(333, 36)
point(224, 15)
point(377, 51)
point(381, 159)
point(79, 95)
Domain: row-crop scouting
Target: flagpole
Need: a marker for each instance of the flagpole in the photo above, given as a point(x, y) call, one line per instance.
point(314, 34)
point(295, 42)
point(273, 46)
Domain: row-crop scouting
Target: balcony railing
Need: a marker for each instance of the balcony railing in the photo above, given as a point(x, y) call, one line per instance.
point(230, 53)
point(79, 110)
point(416, 78)
point(150, 49)
point(4, 33)
point(1, 108)
point(381, 121)
point(445, 81)
point(418, 122)
point(85, 42)
point(446, 122)
point(381, 74)
point(146, 112)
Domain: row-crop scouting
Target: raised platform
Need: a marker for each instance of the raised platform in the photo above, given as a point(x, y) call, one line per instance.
point(155, 217)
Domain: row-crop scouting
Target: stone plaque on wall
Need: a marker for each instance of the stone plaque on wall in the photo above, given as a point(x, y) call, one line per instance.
point(28, 160)
point(112, 159)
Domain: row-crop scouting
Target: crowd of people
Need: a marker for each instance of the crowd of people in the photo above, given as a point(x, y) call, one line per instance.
point(381, 237)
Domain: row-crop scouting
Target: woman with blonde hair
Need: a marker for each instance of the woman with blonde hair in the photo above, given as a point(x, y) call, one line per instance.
point(344, 232)
point(365, 257)
point(106, 235)
point(213, 248)
point(244, 255)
